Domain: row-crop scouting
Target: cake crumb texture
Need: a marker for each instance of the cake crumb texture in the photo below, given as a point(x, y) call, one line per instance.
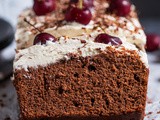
point(109, 86)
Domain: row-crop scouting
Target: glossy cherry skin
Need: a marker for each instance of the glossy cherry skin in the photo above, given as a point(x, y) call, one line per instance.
point(120, 7)
point(82, 16)
point(86, 3)
point(42, 38)
point(105, 38)
point(153, 42)
point(42, 7)
point(69, 16)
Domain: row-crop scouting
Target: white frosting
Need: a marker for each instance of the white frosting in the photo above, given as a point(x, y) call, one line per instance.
point(53, 52)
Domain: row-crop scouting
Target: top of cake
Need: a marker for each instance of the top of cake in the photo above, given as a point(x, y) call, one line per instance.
point(103, 32)
point(102, 21)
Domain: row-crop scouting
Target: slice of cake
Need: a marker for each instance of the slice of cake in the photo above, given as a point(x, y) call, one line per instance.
point(81, 68)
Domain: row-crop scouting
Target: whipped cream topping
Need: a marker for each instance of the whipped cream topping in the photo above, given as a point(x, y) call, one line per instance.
point(70, 36)
point(111, 24)
point(43, 55)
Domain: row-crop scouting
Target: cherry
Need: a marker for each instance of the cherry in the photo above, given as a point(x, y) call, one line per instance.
point(105, 38)
point(120, 7)
point(153, 42)
point(42, 7)
point(86, 3)
point(79, 15)
point(69, 15)
point(42, 38)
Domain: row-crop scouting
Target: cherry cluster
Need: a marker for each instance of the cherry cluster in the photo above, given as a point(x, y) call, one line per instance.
point(79, 11)
point(81, 14)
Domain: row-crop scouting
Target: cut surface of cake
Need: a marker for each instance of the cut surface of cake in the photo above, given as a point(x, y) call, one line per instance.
point(82, 81)
point(97, 71)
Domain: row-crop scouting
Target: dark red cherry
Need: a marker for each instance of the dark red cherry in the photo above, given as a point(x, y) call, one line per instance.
point(79, 15)
point(69, 15)
point(120, 7)
point(42, 7)
point(82, 16)
point(105, 38)
point(153, 42)
point(86, 3)
point(42, 38)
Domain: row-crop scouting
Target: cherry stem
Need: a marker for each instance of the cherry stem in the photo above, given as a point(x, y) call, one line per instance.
point(80, 4)
point(32, 25)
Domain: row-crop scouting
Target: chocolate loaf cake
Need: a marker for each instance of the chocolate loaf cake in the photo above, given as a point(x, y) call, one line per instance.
point(97, 71)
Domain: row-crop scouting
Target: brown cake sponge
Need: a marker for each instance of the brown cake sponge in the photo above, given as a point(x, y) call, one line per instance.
point(109, 86)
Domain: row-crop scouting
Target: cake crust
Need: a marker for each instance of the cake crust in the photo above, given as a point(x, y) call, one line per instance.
point(85, 88)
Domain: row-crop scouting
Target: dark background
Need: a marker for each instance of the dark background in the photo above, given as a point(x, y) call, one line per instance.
point(149, 14)
point(148, 8)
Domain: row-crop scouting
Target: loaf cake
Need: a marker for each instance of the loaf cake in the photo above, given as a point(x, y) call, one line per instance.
point(96, 71)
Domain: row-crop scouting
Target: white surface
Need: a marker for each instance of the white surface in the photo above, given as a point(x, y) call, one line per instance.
point(153, 100)
point(10, 9)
